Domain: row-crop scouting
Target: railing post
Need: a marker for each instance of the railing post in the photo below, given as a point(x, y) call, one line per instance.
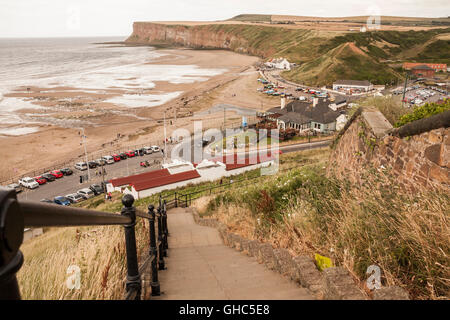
point(164, 230)
point(160, 241)
point(133, 276)
point(176, 200)
point(156, 291)
point(165, 211)
point(11, 237)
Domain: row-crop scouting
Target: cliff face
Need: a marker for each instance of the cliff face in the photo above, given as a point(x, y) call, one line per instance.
point(198, 37)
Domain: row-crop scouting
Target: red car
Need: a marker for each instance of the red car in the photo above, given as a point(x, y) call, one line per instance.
point(116, 157)
point(57, 174)
point(40, 179)
point(130, 154)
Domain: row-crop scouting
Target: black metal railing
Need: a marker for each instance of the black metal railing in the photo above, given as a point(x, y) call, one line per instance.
point(15, 216)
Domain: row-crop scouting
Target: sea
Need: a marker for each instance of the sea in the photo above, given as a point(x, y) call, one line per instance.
point(92, 64)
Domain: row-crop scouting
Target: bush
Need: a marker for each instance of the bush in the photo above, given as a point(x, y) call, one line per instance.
point(425, 111)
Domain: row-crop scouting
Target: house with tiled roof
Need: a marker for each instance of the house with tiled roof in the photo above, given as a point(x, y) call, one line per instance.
point(319, 116)
point(435, 66)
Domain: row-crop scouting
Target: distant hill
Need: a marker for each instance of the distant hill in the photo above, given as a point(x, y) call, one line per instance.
point(323, 56)
point(385, 20)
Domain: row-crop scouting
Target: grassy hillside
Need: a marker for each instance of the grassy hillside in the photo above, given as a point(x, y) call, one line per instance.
point(324, 57)
point(305, 211)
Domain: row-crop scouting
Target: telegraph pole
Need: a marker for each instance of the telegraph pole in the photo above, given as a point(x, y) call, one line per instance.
point(165, 138)
point(85, 153)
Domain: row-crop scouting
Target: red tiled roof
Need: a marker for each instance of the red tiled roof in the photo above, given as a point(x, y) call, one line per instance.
point(236, 161)
point(438, 66)
point(140, 177)
point(165, 180)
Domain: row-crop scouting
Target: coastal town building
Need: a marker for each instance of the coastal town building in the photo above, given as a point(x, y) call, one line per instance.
point(280, 63)
point(179, 173)
point(437, 67)
point(322, 116)
point(352, 85)
point(423, 71)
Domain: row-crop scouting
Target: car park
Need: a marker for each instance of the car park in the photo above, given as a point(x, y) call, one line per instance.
point(116, 157)
point(63, 201)
point(66, 171)
point(74, 197)
point(46, 200)
point(49, 177)
point(57, 174)
point(40, 180)
point(108, 159)
point(96, 188)
point(29, 183)
point(86, 193)
point(15, 186)
point(81, 166)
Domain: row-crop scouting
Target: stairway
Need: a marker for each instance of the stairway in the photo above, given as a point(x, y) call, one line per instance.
point(200, 266)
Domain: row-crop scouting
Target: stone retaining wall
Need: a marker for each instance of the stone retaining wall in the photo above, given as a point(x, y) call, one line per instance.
point(331, 284)
point(368, 142)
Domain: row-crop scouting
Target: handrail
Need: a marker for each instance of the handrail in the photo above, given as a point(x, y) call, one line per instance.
point(37, 214)
point(15, 215)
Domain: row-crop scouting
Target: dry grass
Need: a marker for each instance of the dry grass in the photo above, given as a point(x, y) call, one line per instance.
point(406, 235)
point(98, 251)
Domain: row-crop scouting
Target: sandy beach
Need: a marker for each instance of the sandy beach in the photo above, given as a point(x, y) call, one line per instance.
point(58, 141)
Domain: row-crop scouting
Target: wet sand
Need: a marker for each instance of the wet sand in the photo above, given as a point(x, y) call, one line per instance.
point(103, 121)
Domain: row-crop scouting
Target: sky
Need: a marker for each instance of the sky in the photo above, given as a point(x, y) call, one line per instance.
point(82, 18)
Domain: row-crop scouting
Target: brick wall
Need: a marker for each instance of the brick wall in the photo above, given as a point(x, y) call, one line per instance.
point(419, 160)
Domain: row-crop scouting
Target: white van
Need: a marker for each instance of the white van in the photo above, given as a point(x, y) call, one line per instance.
point(108, 159)
point(81, 166)
point(148, 150)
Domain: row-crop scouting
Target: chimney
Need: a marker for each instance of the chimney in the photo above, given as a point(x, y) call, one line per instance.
point(315, 101)
point(283, 102)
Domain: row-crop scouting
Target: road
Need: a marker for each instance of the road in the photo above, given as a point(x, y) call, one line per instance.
point(71, 184)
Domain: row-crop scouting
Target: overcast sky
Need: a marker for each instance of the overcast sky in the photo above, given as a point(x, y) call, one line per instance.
point(66, 18)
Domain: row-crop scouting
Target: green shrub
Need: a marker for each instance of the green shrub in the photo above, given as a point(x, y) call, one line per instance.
point(424, 111)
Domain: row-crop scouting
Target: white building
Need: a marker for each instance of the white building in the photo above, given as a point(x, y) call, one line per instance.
point(181, 173)
point(280, 63)
point(352, 85)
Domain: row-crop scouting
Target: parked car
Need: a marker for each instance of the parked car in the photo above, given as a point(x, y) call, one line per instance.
point(96, 188)
point(66, 171)
point(92, 164)
point(29, 183)
point(130, 153)
point(63, 201)
point(116, 157)
point(155, 148)
point(148, 150)
point(140, 152)
point(14, 186)
point(49, 177)
point(86, 193)
point(123, 156)
point(101, 162)
point(74, 197)
point(46, 200)
point(40, 180)
point(108, 159)
point(81, 166)
point(57, 174)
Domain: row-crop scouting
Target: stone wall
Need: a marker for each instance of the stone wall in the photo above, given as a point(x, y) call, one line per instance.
point(369, 142)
